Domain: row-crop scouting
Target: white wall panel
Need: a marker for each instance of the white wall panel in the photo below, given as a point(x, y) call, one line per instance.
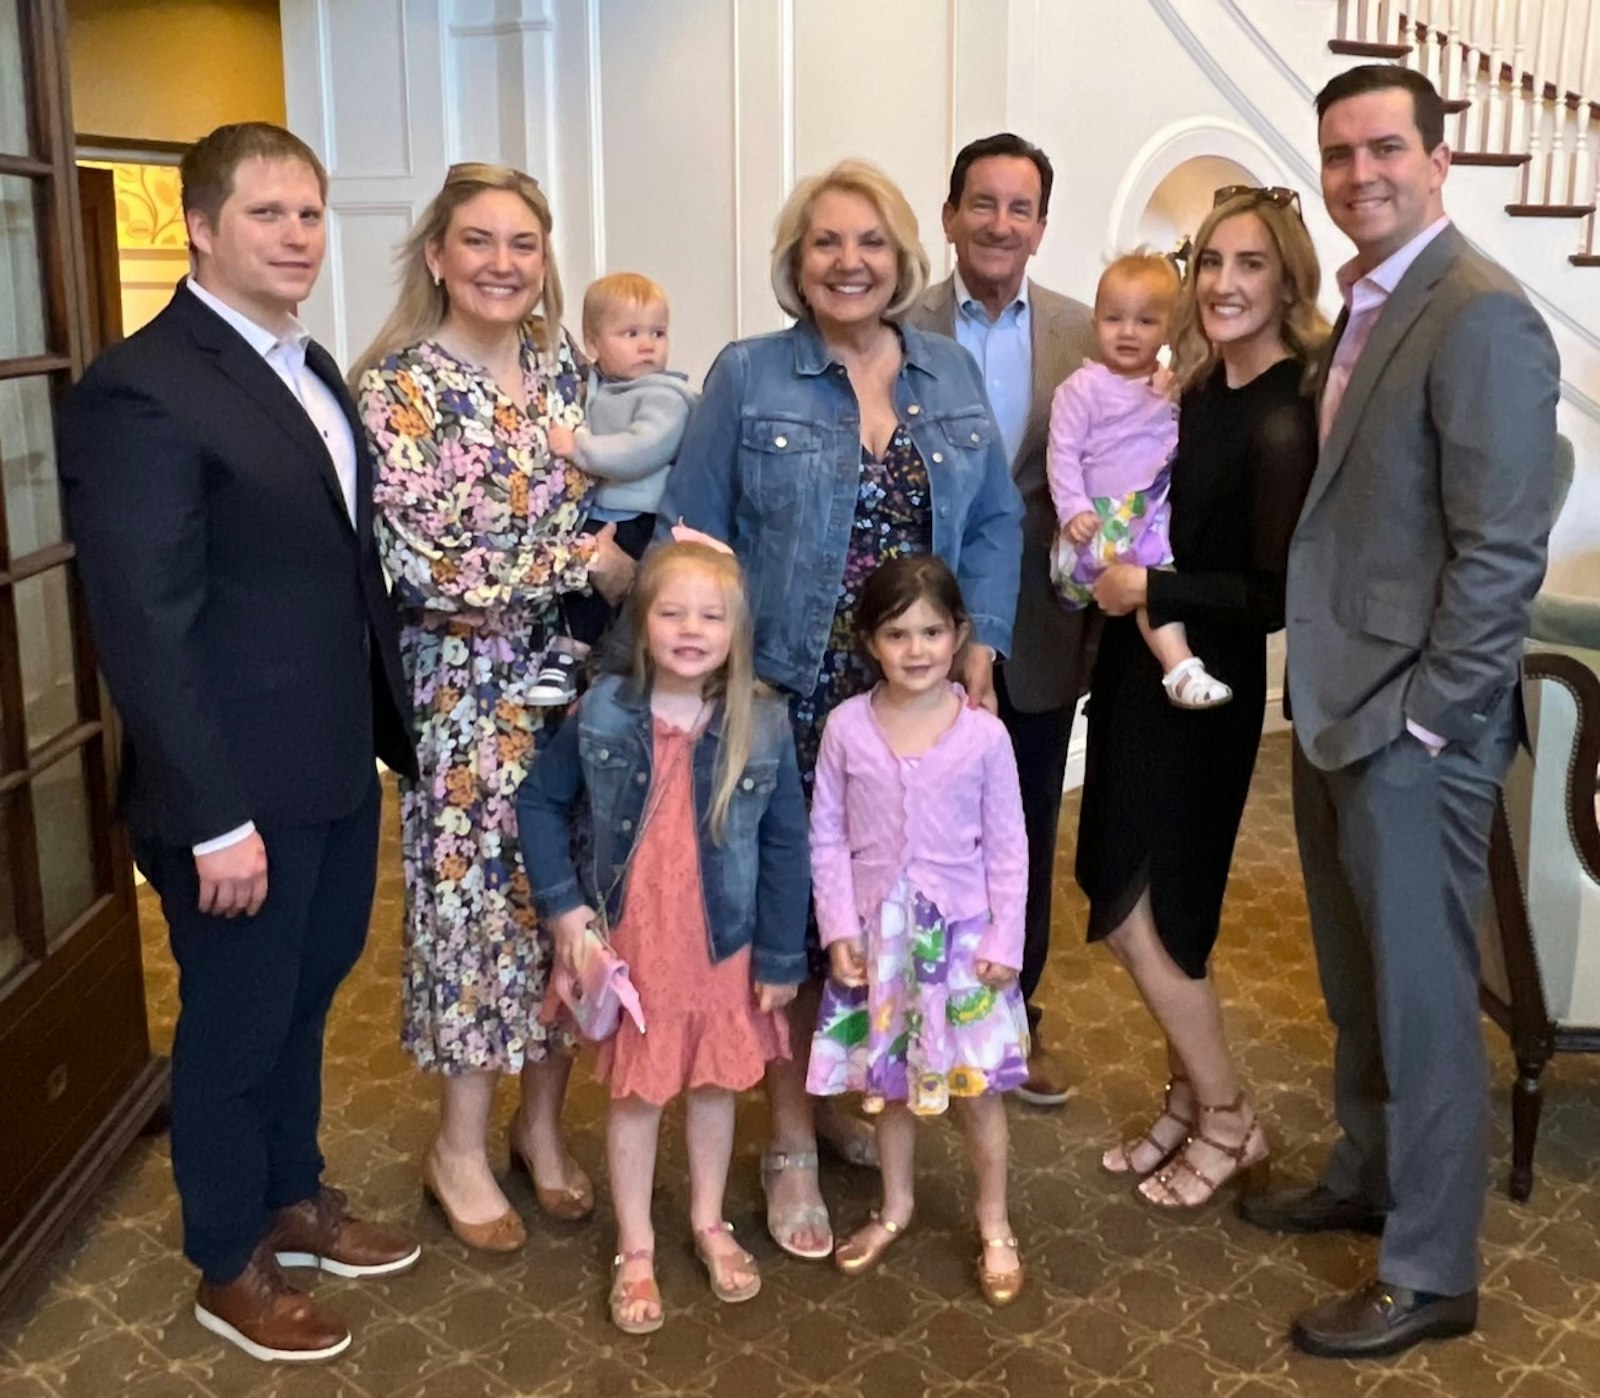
point(875, 81)
point(368, 122)
point(362, 240)
point(668, 195)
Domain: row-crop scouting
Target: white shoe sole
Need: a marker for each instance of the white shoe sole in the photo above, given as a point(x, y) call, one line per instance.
point(217, 1326)
point(345, 1269)
point(1041, 1099)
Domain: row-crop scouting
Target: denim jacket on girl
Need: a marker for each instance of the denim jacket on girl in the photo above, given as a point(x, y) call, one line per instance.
point(771, 463)
point(756, 883)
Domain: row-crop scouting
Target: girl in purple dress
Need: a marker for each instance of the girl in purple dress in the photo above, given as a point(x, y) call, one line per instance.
point(919, 870)
point(1113, 436)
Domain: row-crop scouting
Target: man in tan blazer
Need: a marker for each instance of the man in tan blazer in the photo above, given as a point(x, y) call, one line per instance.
point(1026, 340)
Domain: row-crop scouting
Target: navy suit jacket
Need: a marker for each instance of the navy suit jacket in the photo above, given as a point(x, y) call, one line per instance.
point(241, 619)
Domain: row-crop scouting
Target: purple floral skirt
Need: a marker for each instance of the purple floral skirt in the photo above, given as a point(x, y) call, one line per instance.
point(923, 1029)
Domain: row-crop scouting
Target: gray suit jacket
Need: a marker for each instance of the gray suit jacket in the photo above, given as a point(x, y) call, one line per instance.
point(1051, 648)
point(1422, 540)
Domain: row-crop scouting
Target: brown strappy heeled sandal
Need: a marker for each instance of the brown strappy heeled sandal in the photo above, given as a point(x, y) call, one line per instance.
point(1250, 1165)
point(1165, 1152)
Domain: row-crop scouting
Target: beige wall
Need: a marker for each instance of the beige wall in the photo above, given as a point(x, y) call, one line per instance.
point(170, 70)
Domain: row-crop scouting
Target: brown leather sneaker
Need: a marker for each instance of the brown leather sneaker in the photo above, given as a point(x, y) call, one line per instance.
point(267, 1318)
point(1046, 1084)
point(321, 1232)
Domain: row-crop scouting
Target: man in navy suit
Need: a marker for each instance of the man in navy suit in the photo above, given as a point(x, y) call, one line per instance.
point(219, 492)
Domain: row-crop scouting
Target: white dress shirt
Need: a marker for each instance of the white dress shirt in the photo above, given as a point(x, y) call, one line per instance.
point(286, 356)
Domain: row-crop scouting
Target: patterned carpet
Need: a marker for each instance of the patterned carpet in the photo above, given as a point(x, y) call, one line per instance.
point(1119, 1301)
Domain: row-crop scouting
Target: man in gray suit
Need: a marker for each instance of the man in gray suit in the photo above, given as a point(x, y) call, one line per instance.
point(1026, 341)
point(1420, 546)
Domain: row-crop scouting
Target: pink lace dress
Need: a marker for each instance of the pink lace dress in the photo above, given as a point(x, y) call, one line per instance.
point(702, 1025)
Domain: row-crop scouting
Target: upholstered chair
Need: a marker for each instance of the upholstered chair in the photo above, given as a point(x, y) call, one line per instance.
point(1540, 935)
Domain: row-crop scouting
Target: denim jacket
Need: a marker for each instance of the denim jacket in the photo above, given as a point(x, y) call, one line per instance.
point(771, 462)
point(756, 883)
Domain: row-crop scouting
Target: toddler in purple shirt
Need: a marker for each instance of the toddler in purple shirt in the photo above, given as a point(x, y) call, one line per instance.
point(1113, 436)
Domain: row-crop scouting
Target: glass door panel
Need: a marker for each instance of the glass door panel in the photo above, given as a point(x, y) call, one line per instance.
point(28, 465)
point(13, 91)
point(64, 834)
point(44, 640)
point(22, 312)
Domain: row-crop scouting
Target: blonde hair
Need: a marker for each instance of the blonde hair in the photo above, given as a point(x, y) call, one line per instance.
point(1304, 328)
point(422, 305)
point(735, 683)
point(861, 178)
point(607, 293)
point(1140, 265)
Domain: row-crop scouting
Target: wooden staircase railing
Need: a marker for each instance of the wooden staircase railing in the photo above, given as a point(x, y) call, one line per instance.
point(1520, 79)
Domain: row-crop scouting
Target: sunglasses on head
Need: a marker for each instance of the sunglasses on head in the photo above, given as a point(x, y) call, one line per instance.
point(1276, 195)
point(481, 172)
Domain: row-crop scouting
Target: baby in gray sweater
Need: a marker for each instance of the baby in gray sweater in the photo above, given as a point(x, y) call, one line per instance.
point(634, 418)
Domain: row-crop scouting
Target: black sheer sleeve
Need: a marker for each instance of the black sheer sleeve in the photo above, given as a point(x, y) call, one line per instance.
point(1282, 458)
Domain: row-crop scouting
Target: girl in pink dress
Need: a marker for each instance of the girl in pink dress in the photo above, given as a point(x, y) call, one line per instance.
point(919, 871)
point(699, 868)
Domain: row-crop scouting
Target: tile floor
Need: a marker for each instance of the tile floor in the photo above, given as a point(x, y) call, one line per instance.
point(1119, 1301)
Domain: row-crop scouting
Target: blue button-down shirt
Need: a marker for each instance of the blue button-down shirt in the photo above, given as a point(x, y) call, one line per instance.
point(1004, 351)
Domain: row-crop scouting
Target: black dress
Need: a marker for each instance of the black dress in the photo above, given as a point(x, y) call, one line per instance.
point(1164, 788)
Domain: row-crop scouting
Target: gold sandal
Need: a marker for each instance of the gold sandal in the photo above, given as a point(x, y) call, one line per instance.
point(1165, 1153)
point(785, 1224)
point(1250, 1168)
point(855, 1258)
point(1000, 1288)
point(633, 1292)
point(714, 1265)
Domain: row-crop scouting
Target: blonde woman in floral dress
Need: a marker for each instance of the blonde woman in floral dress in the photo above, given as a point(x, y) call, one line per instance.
point(479, 529)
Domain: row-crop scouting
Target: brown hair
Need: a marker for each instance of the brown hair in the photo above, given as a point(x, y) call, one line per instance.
point(207, 169)
point(1304, 328)
point(861, 178)
point(618, 289)
point(422, 304)
point(898, 585)
point(735, 683)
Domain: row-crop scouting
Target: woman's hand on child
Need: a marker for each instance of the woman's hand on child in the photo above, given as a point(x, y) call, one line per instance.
point(847, 962)
point(975, 670)
point(611, 570)
point(993, 974)
point(570, 933)
point(563, 440)
point(1121, 588)
point(771, 998)
point(1080, 528)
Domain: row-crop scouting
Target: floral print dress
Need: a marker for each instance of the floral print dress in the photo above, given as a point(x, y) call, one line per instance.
point(893, 517)
point(477, 525)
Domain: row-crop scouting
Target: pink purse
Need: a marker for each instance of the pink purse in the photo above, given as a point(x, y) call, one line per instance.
point(597, 996)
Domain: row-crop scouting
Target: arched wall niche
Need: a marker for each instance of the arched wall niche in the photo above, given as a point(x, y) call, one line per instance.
point(1170, 183)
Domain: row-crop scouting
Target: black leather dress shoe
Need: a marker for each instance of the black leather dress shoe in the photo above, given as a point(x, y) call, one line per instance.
point(1314, 1210)
point(1380, 1320)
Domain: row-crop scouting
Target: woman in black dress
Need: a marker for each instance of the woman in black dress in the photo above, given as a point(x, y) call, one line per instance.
point(1164, 787)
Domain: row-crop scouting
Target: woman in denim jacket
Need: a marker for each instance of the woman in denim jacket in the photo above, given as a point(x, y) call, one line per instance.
point(818, 453)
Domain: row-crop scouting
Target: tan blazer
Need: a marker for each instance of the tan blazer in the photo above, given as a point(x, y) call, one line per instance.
point(1052, 648)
